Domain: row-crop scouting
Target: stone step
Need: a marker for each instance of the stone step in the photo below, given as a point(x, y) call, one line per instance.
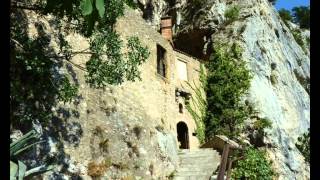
point(207, 168)
point(199, 155)
point(191, 178)
point(197, 164)
point(196, 161)
point(200, 158)
point(196, 152)
point(200, 166)
point(199, 149)
point(194, 173)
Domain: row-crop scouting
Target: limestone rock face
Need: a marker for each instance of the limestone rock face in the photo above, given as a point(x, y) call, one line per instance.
point(266, 40)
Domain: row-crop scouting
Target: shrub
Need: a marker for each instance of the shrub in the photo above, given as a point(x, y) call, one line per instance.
point(96, 169)
point(273, 79)
point(301, 15)
point(227, 80)
point(137, 131)
point(253, 166)
point(262, 123)
point(232, 14)
point(297, 36)
point(273, 1)
point(304, 81)
point(285, 15)
point(303, 145)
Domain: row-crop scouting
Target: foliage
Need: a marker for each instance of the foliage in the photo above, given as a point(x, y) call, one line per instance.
point(303, 145)
point(37, 82)
point(285, 15)
point(19, 170)
point(198, 107)
point(137, 54)
point(96, 169)
point(227, 80)
point(262, 123)
point(35, 78)
point(113, 70)
point(132, 4)
point(273, 79)
point(301, 15)
point(304, 81)
point(232, 14)
point(273, 1)
point(297, 36)
point(254, 165)
point(308, 40)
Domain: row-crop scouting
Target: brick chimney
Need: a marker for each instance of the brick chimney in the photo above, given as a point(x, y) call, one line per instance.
point(166, 28)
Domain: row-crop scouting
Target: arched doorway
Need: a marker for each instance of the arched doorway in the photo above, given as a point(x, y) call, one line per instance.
point(183, 137)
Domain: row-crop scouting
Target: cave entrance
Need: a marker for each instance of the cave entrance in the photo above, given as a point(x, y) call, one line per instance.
point(183, 137)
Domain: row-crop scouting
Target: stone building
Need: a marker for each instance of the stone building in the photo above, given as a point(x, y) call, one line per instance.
point(163, 89)
point(135, 126)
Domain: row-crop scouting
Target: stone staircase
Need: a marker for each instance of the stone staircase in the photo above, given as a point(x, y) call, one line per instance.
point(197, 164)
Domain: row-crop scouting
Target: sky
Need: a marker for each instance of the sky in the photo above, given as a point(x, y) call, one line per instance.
point(289, 4)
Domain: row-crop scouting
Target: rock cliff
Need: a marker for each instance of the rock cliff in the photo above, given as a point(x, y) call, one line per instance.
point(280, 67)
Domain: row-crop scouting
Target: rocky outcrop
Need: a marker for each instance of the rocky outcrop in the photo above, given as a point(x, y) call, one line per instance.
point(280, 68)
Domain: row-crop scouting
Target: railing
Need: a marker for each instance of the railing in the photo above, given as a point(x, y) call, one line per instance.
point(226, 162)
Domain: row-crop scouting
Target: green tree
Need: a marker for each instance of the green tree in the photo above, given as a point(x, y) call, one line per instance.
point(38, 80)
point(273, 1)
point(285, 15)
point(227, 80)
point(301, 15)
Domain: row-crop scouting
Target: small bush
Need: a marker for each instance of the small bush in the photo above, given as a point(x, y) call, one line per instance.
point(232, 14)
point(121, 165)
point(297, 36)
point(299, 61)
point(137, 131)
point(172, 174)
point(303, 145)
point(96, 169)
point(285, 15)
point(262, 124)
point(108, 161)
point(253, 166)
point(273, 66)
point(273, 79)
point(305, 82)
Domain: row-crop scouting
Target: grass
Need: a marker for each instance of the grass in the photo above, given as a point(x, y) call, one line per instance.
point(232, 14)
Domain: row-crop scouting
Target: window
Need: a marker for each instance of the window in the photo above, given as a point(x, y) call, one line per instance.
point(161, 67)
point(180, 108)
point(182, 70)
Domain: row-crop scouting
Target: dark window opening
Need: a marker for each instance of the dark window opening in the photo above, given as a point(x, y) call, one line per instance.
point(180, 108)
point(161, 67)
